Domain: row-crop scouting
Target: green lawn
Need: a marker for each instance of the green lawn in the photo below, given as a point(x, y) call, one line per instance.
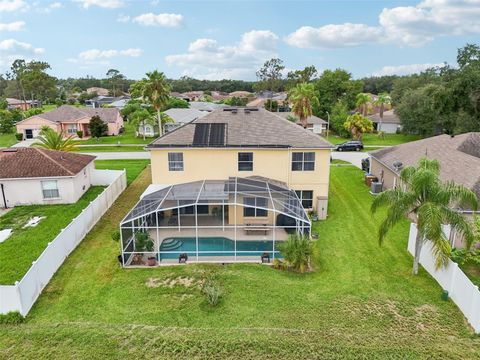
point(133, 167)
point(7, 140)
point(373, 139)
point(361, 302)
point(25, 245)
point(109, 149)
point(128, 137)
point(472, 270)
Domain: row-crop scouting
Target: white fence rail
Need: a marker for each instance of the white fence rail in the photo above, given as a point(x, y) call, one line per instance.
point(460, 288)
point(21, 296)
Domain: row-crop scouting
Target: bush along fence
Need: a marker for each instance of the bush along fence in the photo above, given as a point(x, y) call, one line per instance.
point(460, 288)
point(21, 296)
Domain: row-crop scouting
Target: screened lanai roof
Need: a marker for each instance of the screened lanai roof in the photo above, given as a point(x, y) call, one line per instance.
point(280, 198)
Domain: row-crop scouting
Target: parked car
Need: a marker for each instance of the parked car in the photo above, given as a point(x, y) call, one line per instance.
point(350, 146)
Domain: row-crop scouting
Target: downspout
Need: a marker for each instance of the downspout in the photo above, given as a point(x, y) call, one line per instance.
point(3, 196)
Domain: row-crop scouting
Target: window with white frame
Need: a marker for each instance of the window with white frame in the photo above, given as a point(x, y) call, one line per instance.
point(254, 211)
point(175, 161)
point(50, 189)
point(303, 161)
point(306, 198)
point(72, 129)
point(245, 161)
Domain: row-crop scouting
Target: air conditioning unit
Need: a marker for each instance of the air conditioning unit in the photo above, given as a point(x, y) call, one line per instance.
point(376, 188)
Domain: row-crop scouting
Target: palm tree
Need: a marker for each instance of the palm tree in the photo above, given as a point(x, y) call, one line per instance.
point(358, 124)
point(427, 202)
point(362, 101)
point(141, 118)
point(382, 100)
point(156, 90)
point(51, 140)
point(303, 97)
point(297, 252)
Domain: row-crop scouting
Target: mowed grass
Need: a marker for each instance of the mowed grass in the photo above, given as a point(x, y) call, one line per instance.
point(133, 167)
point(361, 301)
point(26, 244)
point(7, 140)
point(373, 139)
point(128, 137)
point(120, 148)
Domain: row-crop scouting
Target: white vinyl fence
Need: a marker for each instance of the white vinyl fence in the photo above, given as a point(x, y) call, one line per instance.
point(21, 296)
point(460, 288)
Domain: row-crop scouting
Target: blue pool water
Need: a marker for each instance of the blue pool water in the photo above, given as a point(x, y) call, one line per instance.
point(210, 246)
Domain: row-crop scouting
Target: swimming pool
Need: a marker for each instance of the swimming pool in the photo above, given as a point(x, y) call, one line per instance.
point(213, 246)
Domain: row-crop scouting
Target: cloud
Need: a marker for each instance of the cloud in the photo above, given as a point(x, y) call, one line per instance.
point(12, 5)
point(106, 4)
point(333, 36)
point(403, 25)
point(404, 69)
point(13, 26)
point(11, 49)
point(123, 18)
point(207, 59)
point(163, 20)
point(96, 54)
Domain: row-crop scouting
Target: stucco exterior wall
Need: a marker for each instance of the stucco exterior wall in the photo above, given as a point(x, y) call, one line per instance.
point(388, 128)
point(29, 191)
point(200, 164)
point(114, 128)
point(35, 124)
point(384, 174)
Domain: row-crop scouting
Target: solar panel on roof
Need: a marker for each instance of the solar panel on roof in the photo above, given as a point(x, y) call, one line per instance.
point(201, 135)
point(217, 134)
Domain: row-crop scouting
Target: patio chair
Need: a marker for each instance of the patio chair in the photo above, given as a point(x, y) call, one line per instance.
point(182, 258)
point(265, 257)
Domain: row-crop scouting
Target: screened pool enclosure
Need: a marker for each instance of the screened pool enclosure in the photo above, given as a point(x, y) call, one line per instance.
point(239, 219)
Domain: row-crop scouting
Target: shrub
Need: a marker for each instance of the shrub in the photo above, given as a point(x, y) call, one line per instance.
point(19, 136)
point(80, 134)
point(143, 242)
point(97, 127)
point(297, 252)
point(116, 235)
point(11, 318)
point(212, 292)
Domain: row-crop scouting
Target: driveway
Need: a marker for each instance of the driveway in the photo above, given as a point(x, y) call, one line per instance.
point(352, 157)
point(132, 155)
point(24, 143)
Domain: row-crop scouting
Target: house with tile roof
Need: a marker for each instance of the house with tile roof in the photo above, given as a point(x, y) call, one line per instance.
point(459, 158)
point(70, 119)
point(228, 187)
point(30, 176)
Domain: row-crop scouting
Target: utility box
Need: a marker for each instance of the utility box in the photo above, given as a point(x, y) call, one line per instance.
point(376, 188)
point(369, 179)
point(322, 206)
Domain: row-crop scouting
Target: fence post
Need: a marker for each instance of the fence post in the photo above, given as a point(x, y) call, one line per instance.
point(19, 298)
point(474, 313)
point(451, 285)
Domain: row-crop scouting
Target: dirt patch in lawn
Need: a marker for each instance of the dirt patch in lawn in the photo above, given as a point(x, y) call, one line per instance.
point(170, 282)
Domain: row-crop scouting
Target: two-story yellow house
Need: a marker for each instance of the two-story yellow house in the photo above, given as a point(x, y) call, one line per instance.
point(228, 186)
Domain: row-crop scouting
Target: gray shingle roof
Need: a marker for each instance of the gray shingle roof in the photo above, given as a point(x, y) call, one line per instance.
point(258, 128)
point(389, 117)
point(67, 113)
point(459, 157)
point(183, 116)
point(311, 120)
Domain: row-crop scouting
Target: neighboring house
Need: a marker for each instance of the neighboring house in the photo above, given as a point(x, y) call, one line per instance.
point(192, 95)
point(390, 123)
point(179, 96)
point(31, 176)
point(314, 123)
point(149, 130)
point(206, 106)
point(229, 187)
point(263, 96)
point(181, 117)
point(459, 158)
point(22, 105)
point(99, 91)
point(70, 119)
point(240, 94)
point(117, 102)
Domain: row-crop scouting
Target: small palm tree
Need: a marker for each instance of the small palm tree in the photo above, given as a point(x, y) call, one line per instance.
point(303, 97)
point(297, 252)
point(362, 101)
point(156, 91)
point(51, 140)
point(428, 203)
point(382, 100)
point(358, 124)
point(141, 118)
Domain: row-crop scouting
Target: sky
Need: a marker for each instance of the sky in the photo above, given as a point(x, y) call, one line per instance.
point(232, 39)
